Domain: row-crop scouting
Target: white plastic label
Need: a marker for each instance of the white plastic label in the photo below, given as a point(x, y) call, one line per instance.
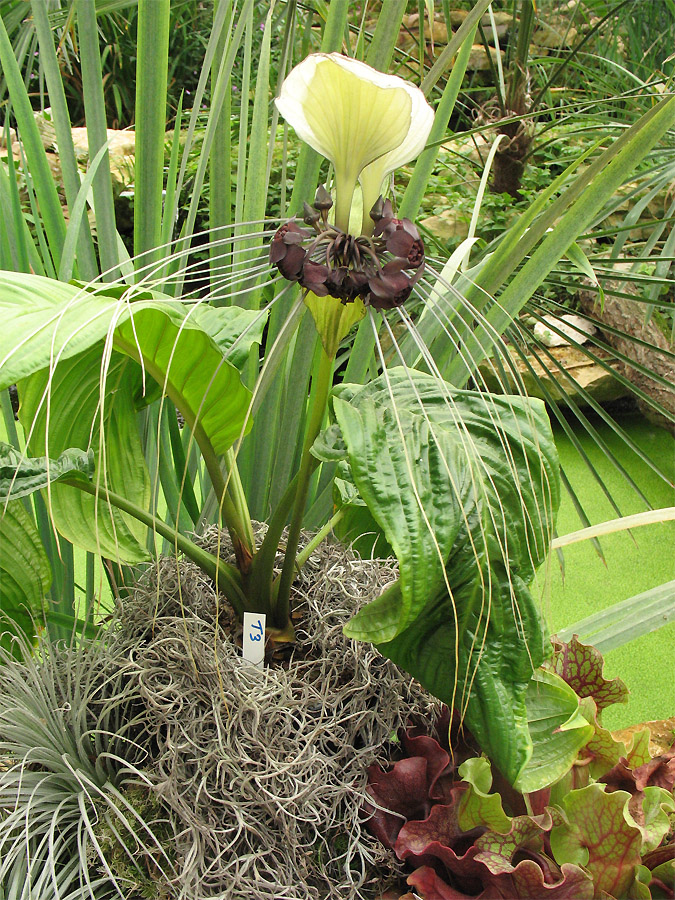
point(254, 638)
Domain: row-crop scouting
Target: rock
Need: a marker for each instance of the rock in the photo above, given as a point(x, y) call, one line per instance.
point(450, 225)
point(12, 137)
point(45, 127)
point(475, 148)
point(479, 60)
point(574, 327)
point(409, 35)
point(646, 343)
point(502, 18)
point(122, 143)
point(554, 37)
point(121, 150)
point(589, 375)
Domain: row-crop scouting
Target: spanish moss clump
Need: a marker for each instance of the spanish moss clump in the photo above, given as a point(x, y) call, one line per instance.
point(210, 778)
point(264, 771)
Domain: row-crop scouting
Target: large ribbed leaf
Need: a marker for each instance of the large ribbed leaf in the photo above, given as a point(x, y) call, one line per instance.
point(25, 574)
point(464, 487)
point(234, 329)
point(48, 322)
point(191, 367)
point(73, 413)
point(21, 475)
point(45, 320)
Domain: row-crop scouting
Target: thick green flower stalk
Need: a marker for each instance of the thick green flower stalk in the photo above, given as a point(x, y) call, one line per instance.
point(367, 124)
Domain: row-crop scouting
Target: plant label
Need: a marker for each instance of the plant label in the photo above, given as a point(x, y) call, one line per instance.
point(254, 638)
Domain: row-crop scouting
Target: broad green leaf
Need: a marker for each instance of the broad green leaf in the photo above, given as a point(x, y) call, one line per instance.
point(654, 824)
point(508, 442)
point(475, 652)
point(478, 806)
point(25, 574)
point(191, 368)
point(357, 527)
point(463, 487)
point(399, 471)
point(21, 475)
point(558, 730)
point(329, 445)
point(234, 330)
point(50, 322)
point(72, 419)
point(46, 321)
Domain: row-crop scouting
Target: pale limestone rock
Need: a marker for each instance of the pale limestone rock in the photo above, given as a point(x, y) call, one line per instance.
point(575, 327)
point(449, 225)
point(553, 37)
point(12, 137)
point(122, 143)
point(589, 375)
point(479, 60)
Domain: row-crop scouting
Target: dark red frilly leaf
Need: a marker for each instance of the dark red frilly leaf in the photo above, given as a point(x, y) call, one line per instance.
point(438, 764)
point(658, 772)
point(429, 885)
point(403, 791)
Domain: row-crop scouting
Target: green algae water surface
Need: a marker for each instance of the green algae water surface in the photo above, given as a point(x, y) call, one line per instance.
point(635, 562)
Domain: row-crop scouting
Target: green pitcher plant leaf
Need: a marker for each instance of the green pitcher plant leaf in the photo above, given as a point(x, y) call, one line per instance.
point(464, 487)
point(600, 834)
point(558, 729)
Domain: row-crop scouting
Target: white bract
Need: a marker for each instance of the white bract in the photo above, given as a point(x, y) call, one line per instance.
point(365, 122)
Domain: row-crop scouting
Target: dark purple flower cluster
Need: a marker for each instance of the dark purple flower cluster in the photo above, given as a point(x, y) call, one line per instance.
point(382, 270)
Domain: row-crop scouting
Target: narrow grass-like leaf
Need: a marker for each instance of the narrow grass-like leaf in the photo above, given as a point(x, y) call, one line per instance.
point(151, 81)
point(588, 194)
point(623, 622)
point(97, 135)
point(50, 207)
point(86, 257)
point(78, 217)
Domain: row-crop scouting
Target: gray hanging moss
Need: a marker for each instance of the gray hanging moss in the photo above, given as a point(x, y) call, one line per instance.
point(228, 781)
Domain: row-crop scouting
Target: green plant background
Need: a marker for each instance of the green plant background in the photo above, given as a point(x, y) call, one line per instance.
point(633, 564)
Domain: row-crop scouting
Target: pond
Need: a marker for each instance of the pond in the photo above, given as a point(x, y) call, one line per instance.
point(635, 562)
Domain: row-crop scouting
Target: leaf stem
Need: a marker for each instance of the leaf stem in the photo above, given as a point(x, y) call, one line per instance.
point(324, 382)
point(225, 576)
point(236, 524)
point(318, 538)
